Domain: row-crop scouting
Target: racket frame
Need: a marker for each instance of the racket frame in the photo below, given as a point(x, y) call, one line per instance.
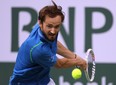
point(90, 51)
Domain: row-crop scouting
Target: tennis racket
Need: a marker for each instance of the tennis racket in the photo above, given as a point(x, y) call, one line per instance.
point(91, 66)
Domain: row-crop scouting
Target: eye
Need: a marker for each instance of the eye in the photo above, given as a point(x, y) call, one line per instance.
point(58, 26)
point(49, 26)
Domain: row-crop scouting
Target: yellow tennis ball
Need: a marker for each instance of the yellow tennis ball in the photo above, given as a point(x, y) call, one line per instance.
point(76, 73)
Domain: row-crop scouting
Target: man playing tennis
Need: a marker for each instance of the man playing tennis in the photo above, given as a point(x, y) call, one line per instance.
point(38, 52)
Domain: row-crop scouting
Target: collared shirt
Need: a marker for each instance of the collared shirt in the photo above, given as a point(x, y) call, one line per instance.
point(35, 58)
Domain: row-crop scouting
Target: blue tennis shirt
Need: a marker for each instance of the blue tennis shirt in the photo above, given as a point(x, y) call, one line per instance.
point(35, 58)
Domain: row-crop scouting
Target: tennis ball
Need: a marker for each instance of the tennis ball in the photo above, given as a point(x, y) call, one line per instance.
point(76, 73)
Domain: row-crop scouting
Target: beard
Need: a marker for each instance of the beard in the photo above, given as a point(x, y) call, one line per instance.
point(50, 36)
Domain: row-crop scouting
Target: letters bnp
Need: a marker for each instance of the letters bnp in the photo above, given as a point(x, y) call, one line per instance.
point(68, 37)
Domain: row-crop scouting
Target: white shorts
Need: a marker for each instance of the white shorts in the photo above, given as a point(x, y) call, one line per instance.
point(51, 82)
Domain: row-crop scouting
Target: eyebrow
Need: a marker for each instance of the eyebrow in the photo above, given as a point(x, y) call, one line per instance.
point(53, 24)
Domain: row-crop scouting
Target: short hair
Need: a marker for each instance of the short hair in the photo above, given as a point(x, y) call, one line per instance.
point(51, 11)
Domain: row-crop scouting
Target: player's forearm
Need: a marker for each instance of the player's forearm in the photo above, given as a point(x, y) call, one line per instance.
point(63, 51)
point(66, 63)
point(70, 55)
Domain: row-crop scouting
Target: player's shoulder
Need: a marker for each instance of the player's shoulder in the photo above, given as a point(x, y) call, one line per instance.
point(44, 47)
point(41, 49)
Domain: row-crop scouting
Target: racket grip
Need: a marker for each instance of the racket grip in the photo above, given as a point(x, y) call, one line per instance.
point(76, 65)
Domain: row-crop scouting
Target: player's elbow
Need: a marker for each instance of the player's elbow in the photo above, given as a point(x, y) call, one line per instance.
point(61, 63)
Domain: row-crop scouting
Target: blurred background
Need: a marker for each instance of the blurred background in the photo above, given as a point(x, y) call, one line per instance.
point(87, 24)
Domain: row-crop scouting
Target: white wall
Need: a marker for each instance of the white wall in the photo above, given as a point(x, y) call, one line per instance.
point(104, 44)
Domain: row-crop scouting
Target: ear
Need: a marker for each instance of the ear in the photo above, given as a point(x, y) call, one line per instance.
point(40, 24)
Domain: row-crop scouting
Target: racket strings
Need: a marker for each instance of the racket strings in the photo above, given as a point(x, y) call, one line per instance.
point(91, 66)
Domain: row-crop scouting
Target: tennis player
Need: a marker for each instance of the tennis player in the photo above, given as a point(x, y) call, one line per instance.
point(38, 52)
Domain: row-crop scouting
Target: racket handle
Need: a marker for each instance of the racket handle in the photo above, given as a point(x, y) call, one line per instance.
point(76, 65)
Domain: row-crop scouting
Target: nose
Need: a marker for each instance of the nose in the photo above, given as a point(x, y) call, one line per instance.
point(53, 31)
